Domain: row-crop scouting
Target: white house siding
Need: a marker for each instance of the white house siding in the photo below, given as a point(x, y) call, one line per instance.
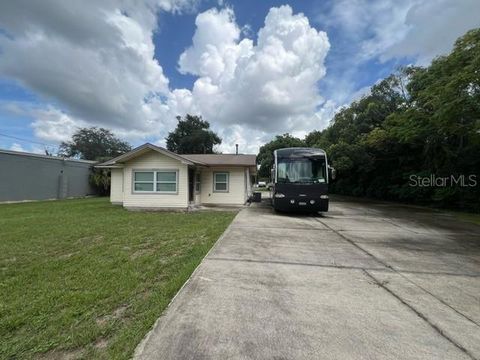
point(235, 195)
point(155, 161)
point(249, 183)
point(116, 186)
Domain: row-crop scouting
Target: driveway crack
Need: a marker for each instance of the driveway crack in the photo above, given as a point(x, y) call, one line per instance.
point(421, 315)
point(277, 262)
point(399, 273)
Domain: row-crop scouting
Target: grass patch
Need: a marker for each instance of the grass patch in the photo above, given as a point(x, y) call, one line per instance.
point(262, 189)
point(85, 279)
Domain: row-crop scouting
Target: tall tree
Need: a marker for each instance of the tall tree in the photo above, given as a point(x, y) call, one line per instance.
point(93, 144)
point(265, 155)
point(192, 136)
point(417, 121)
point(96, 144)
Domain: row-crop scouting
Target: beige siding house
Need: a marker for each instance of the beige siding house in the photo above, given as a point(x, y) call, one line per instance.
point(151, 177)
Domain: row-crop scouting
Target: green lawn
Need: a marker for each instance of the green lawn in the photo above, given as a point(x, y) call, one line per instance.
point(85, 279)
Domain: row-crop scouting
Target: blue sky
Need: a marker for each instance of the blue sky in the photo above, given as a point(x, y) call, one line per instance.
point(252, 68)
point(175, 33)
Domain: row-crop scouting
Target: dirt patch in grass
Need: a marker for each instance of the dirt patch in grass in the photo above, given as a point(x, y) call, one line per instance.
point(101, 343)
point(94, 239)
point(140, 253)
point(67, 256)
point(117, 314)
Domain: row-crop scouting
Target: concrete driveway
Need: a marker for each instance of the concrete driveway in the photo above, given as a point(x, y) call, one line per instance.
point(366, 281)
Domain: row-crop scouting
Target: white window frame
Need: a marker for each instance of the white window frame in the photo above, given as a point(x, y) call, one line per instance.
point(215, 181)
point(198, 181)
point(166, 182)
point(155, 182)
point(134, 182)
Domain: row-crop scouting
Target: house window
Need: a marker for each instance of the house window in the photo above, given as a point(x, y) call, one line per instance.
point(220, 182)
point(198, 183)
point(143, 180)
point(155, 181)
point(166, 181)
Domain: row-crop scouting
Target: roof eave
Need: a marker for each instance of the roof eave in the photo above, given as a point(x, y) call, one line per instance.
point(108, 166)
point(133, 154)
point(231, 165)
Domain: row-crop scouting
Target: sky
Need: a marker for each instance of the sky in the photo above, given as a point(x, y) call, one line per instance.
point(253, 69)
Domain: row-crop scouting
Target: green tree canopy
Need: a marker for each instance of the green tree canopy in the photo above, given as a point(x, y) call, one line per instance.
point(93, 144)
point(418, 121)
point(192, 136)
point(265, 155)
point(96, 144)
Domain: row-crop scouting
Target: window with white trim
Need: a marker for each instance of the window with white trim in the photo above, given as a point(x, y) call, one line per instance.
point(166, 181)
point(220, 181)
point(162, 181)
point(198, 184)
point(143, 180)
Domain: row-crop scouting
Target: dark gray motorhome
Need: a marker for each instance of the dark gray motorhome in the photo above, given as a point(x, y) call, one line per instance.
point(300, 180)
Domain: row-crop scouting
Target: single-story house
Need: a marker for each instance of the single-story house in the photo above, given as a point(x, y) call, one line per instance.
point(151, 177)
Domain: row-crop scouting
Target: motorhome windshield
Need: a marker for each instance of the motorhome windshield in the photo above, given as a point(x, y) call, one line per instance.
point(301, 170)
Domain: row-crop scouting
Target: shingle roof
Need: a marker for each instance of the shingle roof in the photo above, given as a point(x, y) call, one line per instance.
point(222, 159)
point(198, 159)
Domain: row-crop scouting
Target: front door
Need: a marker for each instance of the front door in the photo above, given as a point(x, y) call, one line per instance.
point(191, 184)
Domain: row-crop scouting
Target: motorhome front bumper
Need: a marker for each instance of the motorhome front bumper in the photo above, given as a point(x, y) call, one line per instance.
point(307, 204)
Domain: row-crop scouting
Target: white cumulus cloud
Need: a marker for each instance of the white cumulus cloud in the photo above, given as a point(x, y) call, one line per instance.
point(374, 36)
point(216, 47)
point(390, 29)
point(92, 64)
point(91, 61)
point(269, 87)
point(430, 28)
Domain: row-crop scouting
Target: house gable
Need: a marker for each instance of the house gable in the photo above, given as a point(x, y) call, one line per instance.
point(154, 161)
point(140, 151)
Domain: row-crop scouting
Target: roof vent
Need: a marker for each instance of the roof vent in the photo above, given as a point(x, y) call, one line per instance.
point(236, 149)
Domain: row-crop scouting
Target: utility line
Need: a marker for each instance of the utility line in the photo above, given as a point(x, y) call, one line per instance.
point(30, 141)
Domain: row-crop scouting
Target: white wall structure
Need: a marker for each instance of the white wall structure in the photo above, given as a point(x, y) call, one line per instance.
point(149, 160)
point(116, 186)
point(155, 161)
point(236, 194)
